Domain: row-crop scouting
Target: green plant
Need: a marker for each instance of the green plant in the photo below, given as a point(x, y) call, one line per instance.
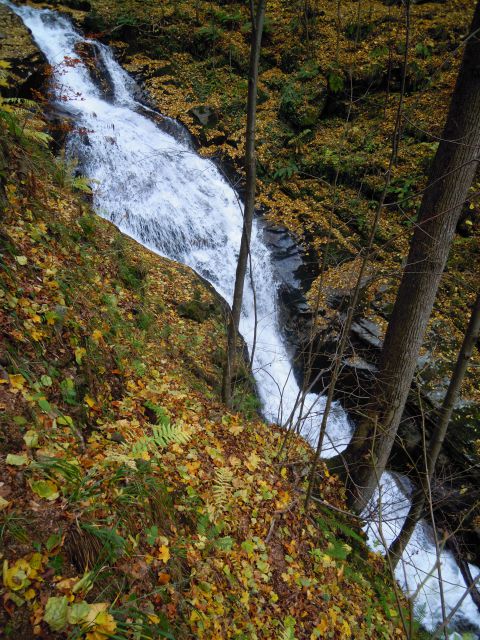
point(135, 617)
point(132, 275)
point(145, 320)
point(336, 81)
point(14, 525)
point(112, 545)
point(423, 51)
point(309, 71)
point(69, 393)
point(286, 172)
point(209, 34)
point(228, 19)
point(65, 174)
point(16, 112)
point(358, 30)
point(211, 531)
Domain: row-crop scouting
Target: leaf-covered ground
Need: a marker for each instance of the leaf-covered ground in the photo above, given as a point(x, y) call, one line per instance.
point(328, 93)
point(132, 505)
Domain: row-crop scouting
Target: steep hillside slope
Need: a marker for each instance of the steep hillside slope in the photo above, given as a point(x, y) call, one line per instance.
point(131, 503)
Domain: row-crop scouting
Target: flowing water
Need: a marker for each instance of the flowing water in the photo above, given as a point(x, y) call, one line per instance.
point(154, 187)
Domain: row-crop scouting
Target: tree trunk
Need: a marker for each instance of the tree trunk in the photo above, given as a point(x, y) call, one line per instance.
point(250, 168)
point(418, 502)
point(452, 174)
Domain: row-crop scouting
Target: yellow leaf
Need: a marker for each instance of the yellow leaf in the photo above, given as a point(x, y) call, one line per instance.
point(105, 626)
point(235, 429)
point(97, 335)
point(36, 335)
point(16, 380)
point(79, 353)
point(90, 401)
point(252, 462)
point(153, 618)
point(164, 553)
point(67, 584)
point(16, 577)
point(45, 489)
point(320, 630)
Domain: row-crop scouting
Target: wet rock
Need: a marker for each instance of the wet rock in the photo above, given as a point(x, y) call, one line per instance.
point(456, 490)
point(19, 50)
point(367, 331)
point(339, 298)
point(288, 263)
point(89, 53)
point(205, 116)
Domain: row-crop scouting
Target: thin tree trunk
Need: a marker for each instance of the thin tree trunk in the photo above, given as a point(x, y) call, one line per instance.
point(250, 168)
point(345, 333)
point(418, 502)
point(452, 174)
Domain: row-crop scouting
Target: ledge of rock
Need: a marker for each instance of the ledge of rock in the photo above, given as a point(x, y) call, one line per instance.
point(20, 51)
point(455, 489)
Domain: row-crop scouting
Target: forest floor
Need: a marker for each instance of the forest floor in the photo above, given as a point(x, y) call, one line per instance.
point(328, 95)
point(132, 504)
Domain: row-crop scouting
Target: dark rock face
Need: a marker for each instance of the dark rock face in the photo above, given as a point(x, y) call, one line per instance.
point(456, 487)
point(89, 54)
point(204, 115)
point(25, 59)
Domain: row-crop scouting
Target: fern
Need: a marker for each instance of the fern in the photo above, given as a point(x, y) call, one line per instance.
point(140, 447)
point(222, 488)
point(38, 136)
point(160, 413)
point(329, 522)
point(23, 102)
point(288, 632)
point(82, 183)
point(165, 434)
point(338, 550)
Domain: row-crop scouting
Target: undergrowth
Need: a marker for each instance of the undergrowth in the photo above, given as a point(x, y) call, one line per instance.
point(131, 504)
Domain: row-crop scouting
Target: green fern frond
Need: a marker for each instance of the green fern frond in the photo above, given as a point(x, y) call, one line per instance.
point(160, 413)
point(23, 102)
point(165, 434)
point(82, 183)
point(288, 632)
point(38, 136)
point(329, 522)
point(140, 447)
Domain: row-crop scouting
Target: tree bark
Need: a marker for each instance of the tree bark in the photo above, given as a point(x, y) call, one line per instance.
point(420, 497)
point(250, 168)
point(451, 177)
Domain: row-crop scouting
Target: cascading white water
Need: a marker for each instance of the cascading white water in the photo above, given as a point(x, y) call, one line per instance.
point(155, 188)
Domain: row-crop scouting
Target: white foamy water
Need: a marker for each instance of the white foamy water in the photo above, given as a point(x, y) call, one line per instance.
point(156, 189)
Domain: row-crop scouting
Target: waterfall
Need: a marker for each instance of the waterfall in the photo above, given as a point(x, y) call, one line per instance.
point(155, 188)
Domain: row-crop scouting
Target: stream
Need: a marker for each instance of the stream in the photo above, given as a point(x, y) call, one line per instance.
point(149, 181)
